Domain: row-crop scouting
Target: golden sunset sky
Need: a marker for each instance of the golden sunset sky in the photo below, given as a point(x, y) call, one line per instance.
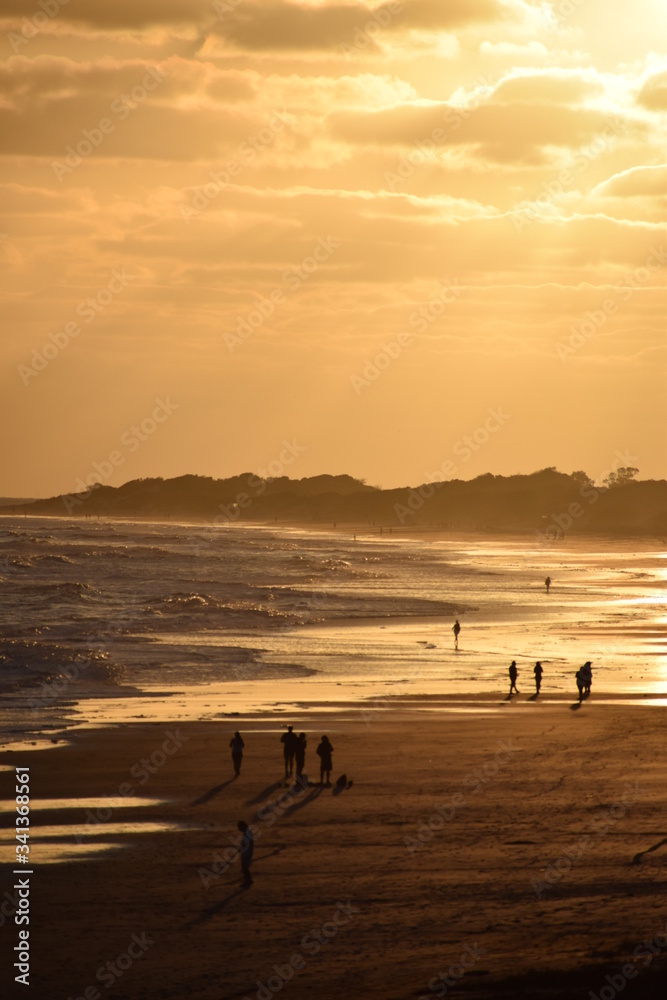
point(370, 231)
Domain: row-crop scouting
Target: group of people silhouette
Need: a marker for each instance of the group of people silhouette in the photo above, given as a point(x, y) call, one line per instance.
point(584, 678)
point(294, 746)
point(294, 751)
point(294, 754)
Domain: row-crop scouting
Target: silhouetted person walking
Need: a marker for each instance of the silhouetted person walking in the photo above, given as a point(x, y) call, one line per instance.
point(580, 684)
point(324, 752)
point(547, 583)
point(514, 673)
point(246, 848)
point(456, 628)
point(289, 741)
point(300, 754)
point(537, 670)
point(237, 745)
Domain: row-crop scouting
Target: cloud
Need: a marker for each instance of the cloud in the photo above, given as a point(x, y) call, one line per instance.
point(653, 94)
point(117, 15)
point(637, 182)
point(154, 132)
point(20, 199)
point(550, 87)
point(501, 132)
point(513, 50)
point(279, 25)
point(637, 194)
point(28, 82)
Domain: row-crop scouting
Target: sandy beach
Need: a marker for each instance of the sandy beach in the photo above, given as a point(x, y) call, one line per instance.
point(484, 853)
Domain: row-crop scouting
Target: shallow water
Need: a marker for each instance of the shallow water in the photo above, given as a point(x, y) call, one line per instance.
point(67, 842)
point(101, 614)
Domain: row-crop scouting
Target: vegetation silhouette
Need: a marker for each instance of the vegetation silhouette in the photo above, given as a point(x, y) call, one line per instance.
point(548, 503)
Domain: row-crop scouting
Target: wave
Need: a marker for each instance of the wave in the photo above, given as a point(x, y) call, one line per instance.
point(201, 610)
point(27, 663)
point(64, 591)
point(179, 602)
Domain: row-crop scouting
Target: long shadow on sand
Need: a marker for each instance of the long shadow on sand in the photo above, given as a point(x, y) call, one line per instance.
point(266, 792)
point(222, 904)
point(212, 792)
point(637, 858)
point(535, 696)
point(211, 911)
point(312, 795)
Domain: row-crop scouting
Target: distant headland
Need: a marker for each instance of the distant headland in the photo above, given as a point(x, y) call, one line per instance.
point(550, 503)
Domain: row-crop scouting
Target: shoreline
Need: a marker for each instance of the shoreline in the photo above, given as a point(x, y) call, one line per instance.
point(367, 531)
point(162, 708)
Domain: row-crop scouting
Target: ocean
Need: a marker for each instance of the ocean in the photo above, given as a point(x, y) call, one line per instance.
point(115, 620)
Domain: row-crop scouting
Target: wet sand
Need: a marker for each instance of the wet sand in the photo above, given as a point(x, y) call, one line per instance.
point(493, 849)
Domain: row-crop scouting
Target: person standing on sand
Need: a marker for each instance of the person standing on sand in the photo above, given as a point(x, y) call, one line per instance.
point(324, 752)
point(514, 673)
point(587, 675)
point(580, 684)
point(547, 583)
point(289, 741)
point(537, 670)
point(237, 745)
point(456, 628)
point(246, 849)
point(300, 754)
